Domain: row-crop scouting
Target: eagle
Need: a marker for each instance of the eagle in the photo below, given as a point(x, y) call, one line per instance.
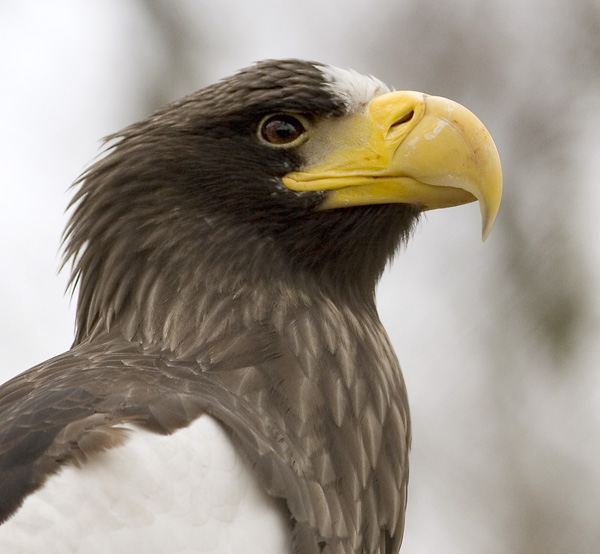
point(230, 387)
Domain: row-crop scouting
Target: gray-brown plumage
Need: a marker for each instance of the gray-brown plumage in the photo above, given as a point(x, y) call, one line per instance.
point(207, 286)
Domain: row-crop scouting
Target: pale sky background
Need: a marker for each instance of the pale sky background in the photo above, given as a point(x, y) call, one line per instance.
point(506, 452)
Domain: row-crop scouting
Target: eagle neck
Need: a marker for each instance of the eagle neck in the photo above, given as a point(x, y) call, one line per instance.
point(181, 297)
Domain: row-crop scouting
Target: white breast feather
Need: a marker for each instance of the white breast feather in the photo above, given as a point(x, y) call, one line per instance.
point(182, 493)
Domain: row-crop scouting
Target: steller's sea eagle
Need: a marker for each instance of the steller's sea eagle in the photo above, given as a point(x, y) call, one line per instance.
point(230, 387)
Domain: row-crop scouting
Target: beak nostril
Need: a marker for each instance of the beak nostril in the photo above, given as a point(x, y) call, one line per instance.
point(404, 119)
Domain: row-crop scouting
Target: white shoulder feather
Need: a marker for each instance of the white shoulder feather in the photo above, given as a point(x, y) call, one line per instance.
point(182, 493)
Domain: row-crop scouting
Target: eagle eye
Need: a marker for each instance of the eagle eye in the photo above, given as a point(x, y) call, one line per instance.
point(281, 129)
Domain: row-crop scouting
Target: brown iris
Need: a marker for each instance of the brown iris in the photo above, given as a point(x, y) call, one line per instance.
point(281, 129)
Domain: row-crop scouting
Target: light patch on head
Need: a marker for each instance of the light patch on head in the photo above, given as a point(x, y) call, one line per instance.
point(354, 89)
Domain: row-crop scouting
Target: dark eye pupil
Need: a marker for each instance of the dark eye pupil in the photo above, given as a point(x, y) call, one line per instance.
point(281, 129)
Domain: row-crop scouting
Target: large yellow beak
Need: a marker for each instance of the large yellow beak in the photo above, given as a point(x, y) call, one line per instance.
point(408, 147)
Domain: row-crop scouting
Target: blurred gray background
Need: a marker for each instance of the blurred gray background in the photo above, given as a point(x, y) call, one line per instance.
point(499, 343)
